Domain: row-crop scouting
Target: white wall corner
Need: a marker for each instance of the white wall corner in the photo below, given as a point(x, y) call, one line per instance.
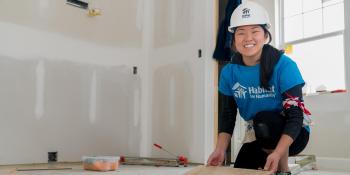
point(209, 86)
point(347, 42)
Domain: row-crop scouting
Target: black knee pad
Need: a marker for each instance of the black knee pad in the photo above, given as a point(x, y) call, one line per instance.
point(262, 131)
point(268, 127)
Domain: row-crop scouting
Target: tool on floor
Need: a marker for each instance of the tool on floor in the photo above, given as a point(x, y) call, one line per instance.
point(149, 161)
point(181, 158)
point(171, 162)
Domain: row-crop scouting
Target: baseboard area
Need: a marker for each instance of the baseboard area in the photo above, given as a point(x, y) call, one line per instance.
point(333, 164)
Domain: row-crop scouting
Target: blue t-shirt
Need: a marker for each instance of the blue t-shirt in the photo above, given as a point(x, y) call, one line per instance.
point(243, 83)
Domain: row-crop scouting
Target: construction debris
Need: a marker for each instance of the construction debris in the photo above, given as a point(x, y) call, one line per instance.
point(301, 163)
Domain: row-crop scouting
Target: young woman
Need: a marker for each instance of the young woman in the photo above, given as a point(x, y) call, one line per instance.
point(266, 86)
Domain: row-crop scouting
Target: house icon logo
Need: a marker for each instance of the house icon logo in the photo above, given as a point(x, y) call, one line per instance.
point(246, 13)
point(239, 90)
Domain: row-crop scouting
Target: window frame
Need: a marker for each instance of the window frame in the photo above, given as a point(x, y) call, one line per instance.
point(306, 39)
point(280, 38)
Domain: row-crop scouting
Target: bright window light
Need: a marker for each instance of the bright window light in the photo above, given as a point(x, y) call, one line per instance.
point(321, 63)
point(313, 35)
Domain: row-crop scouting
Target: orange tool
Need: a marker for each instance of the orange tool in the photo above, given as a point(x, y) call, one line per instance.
point(180, 158)
point(338, 91)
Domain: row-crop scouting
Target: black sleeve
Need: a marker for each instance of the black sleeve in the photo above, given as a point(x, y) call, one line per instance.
point(294, 115)
point(227, 113)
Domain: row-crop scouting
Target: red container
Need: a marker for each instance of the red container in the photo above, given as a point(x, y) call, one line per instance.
point(100, 163)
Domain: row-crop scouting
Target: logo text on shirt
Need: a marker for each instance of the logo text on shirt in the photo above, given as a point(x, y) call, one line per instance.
point(253, 92)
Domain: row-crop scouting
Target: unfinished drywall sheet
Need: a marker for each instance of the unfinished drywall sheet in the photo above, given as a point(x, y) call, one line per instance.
point(176, 73)
point(177, 111)
point(61, 39)
point(173, 21)
point(17, 79)
point(68, 58)
point(173, 108)
point(66, 123)
point(121, 21)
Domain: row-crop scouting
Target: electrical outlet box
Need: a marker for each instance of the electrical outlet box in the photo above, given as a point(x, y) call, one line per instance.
point(52, 156)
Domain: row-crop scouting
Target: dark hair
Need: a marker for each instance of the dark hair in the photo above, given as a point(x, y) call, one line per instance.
point(269, 58)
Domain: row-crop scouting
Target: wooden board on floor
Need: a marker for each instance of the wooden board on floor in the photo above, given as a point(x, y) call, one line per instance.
point(211, 170)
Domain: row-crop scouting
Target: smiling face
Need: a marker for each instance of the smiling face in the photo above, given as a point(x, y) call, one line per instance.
point(249, 41)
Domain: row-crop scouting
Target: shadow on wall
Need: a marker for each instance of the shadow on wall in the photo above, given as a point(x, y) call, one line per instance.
point(172, 109)
point(79, 109)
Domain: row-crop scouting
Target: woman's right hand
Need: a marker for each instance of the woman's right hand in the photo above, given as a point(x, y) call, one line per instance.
point(216, 158)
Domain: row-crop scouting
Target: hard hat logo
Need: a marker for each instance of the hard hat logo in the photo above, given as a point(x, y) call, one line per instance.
point(245, 13)
point(249, 13)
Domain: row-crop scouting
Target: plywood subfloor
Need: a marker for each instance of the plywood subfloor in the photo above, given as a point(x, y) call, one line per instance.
point(206, 170)
point(77, 169)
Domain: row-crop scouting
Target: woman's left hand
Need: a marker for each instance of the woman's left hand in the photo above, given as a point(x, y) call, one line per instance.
point(272, 162)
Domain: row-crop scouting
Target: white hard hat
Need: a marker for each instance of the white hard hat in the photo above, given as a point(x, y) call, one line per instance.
point(249, 13)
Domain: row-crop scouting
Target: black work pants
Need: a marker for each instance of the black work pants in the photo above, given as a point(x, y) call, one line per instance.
point(252, 156)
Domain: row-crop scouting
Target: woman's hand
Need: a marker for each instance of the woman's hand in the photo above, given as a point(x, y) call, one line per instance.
point(272, 162)
point(279, 156)
point(216, 158)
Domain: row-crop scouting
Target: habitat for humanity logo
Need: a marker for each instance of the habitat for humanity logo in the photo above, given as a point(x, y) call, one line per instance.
point(246, 13)
point(239, 90)
point(253, 92)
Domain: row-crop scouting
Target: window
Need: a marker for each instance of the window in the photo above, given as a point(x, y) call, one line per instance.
point(312, 35)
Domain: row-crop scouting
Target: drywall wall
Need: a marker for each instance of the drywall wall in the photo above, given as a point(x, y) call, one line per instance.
point(177, 74)
point(68, 83)
point(332, 124)
point(123, 19)
point(78, 111)
point(66, 95)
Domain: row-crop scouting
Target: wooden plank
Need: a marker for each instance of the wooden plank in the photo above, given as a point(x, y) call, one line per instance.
point(216, 79)
point(212, 170)
point(43, 169)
